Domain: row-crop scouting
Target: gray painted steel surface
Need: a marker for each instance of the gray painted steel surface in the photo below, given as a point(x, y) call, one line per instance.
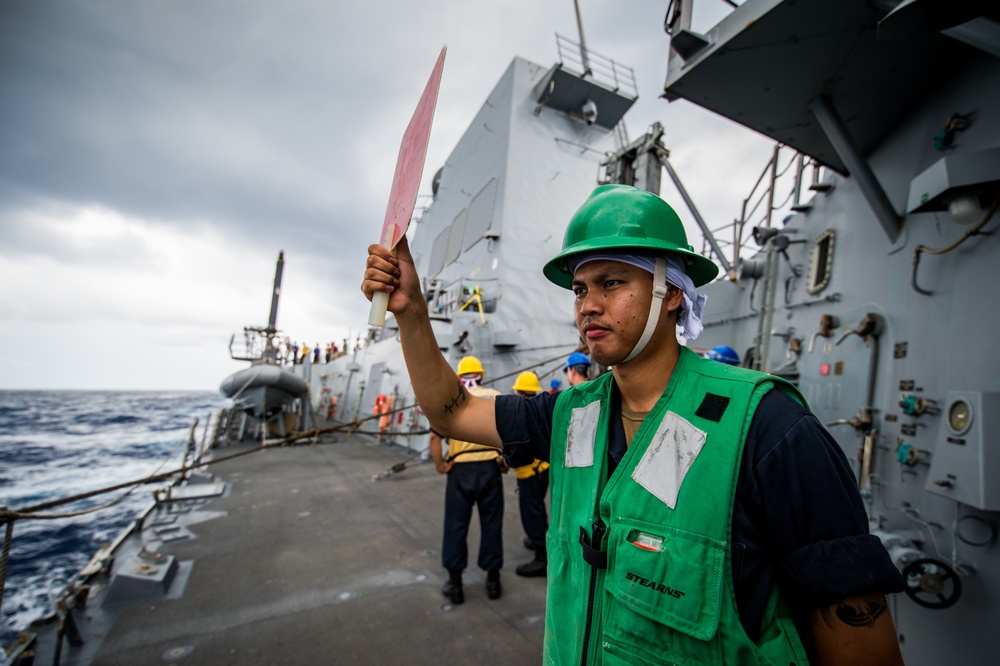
point(930, 487)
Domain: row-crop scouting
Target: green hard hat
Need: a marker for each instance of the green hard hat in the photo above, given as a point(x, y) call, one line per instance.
point(622, 218)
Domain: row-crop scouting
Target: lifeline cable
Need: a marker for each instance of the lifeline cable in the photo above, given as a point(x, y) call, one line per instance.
point(8, 516)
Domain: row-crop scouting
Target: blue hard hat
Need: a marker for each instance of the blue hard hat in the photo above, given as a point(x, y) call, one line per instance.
point(577, 358)
point(555, 383)
point(724, 354)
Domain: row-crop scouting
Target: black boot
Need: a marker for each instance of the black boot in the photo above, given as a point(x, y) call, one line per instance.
point(535, 567)
point(493, 584)
point(452, 590)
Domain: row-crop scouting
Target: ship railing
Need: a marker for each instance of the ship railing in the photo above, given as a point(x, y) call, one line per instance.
point(73, 596)
point(461, 294)
point(756, 221)
point(685, 41)
point(782, 176)
point(679, 13)
point(256, 345)
point(601, 69)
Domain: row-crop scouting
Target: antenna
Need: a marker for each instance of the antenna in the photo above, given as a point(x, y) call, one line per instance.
point(275, 293)
point(583, 43)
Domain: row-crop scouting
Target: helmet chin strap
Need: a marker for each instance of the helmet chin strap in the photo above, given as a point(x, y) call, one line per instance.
point(659, 293)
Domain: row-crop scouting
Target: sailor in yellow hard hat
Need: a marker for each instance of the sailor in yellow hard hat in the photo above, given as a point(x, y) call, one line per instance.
point(474, 479)
point(532, 486)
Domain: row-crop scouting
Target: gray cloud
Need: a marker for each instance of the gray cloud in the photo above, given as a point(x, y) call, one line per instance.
point(174, 114)
point(221, 131)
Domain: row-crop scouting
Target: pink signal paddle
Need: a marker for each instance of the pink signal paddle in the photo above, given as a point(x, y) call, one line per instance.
point(406, 180)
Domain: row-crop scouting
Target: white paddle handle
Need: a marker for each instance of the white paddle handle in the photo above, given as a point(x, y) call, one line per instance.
point(380, 299)
point(380, 303)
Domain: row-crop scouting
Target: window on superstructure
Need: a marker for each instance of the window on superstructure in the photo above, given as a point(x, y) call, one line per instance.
point(821, 262)
point(438, 253)
point(455, 237)
point(480, 218)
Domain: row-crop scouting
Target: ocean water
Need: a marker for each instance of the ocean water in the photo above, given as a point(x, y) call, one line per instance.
point(56, 444)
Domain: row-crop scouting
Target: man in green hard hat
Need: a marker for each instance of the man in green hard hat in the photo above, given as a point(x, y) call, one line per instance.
point(700, 513)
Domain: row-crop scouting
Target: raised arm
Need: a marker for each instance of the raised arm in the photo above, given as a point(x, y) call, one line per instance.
point(449, 407)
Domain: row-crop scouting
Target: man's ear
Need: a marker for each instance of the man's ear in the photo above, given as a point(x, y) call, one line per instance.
point(674, 298)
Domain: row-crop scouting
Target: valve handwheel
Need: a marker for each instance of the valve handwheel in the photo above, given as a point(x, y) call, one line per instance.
point(932, 583)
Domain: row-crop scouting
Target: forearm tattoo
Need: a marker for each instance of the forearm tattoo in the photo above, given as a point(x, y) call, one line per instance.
point(460, 396)
point(858, 613)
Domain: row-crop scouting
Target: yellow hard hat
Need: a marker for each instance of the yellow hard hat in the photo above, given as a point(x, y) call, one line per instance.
point(527, 382)
point(470, 365)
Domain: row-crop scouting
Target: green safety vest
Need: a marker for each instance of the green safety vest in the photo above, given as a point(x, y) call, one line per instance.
point(659, 585)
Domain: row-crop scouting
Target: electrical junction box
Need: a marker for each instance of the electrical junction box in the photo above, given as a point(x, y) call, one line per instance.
point(966, 459)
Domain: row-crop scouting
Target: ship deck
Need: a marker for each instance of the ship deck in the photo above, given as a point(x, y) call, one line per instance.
point(306, 559)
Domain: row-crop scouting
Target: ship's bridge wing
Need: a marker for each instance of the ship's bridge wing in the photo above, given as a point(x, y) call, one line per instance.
point(768, 60)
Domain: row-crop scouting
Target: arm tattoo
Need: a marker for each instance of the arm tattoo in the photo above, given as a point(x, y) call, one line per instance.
point(461, 396)
point(859, 613)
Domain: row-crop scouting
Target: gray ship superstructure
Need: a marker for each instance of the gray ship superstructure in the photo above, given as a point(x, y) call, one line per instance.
point(872, 289)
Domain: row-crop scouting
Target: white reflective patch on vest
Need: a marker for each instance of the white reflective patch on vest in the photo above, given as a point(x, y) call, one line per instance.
point(581, 435)
point(674, 449)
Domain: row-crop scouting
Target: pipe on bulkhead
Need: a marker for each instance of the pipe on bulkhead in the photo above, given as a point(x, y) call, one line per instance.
point(917, 251)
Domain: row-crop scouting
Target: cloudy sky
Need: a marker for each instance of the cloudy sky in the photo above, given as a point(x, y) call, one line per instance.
point(156, 156)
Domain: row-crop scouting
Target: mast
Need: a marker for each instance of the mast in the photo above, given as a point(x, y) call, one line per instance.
point(273, 318)
point(583, 44)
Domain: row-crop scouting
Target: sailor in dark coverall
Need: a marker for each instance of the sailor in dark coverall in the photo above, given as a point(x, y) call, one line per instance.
point(474, 479)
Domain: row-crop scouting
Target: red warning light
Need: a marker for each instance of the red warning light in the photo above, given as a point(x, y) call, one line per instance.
point(824, 369)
